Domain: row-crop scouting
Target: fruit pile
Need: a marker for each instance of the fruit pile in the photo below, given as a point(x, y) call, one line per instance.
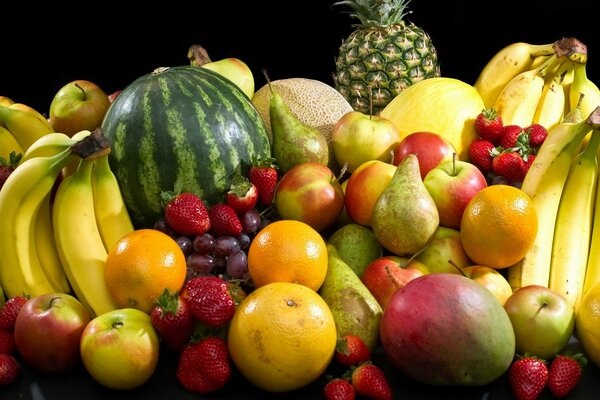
point(287, 234)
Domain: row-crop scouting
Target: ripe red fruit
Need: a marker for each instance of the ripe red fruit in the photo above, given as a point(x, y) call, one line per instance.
point(204, 367)
point(209, 299)
point(186, 213)
point(9, 369)
point(488, 125)
point(263, 174)
point(172, 320)
point(8, 312)
point(480, 156)
point(509, 165)
point(537, 134)
point(527, 377)
point(7, 342)
point(242, 195)
point(224, 221)
point(8, 166)
point(564, 373)
point(512, 136)
point(351, 350)
point(370, 381)
point(339, 389)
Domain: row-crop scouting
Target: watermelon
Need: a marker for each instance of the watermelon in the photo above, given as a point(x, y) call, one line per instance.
point(183, 128)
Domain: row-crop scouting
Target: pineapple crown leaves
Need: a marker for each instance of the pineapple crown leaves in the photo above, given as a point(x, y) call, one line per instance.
point(377, 12)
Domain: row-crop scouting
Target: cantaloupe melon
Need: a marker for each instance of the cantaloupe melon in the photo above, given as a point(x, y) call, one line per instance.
point(315, 103)
point(442, 105)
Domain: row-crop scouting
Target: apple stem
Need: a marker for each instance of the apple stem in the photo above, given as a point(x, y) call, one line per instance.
point(80, 88)
point(454, 164)
point(392, 277)
point(343, 170)
point(459, 269)
point(198, 55)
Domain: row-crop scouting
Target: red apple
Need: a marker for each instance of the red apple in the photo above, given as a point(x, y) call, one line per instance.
point(77, 106)
point(447, 330)
point(543, 320)
point(364, 187)
point(48, 329)
point(311, 193)
point(358, 137)
point(452, 184)
point(384, 275)
point(430, 148)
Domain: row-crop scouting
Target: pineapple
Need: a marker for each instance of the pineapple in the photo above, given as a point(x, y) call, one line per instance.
point(383, 56)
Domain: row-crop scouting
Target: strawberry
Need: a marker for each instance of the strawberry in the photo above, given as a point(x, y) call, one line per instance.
point(537, 134)
point(509, 165)
point(369, 381)
point(8, 166)
point(8, 312)
point(351, 350)
point(339, 389)
point(564, 373)
point(10, 369)
point(224, 221)
point(7, 342)
point(186, 213)
point(479, 154)
point(527, 377)
point(172, 320)
point(509, 136)
point(263, 174)
point(528, 162)
point(204, 367)
point(242, 195)
point(209, 299)
point(488, 125)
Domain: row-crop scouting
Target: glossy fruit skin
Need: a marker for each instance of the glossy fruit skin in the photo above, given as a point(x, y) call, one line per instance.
point(178, 125)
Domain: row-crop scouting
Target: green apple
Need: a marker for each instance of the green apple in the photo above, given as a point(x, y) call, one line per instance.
point(236, 71)
point(364, 187)
point(120, 348)
point(491, 279)
point(356, 245)
point(444, 246)
point(542, 318)
point(358, 137)
point(79, 105)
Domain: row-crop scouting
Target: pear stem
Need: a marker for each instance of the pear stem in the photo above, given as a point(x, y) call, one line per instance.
point(370, 102)
point(264, 71)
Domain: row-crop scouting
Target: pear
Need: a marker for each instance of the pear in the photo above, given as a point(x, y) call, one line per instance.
point(405, 217)
point(357, 245)
point(293, 141)
point(355, 310)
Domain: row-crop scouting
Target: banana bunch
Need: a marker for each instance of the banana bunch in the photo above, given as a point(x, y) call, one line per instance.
point(89, 216)
point(56, 237)
point(562, 183)
point(20, 126)
point(528, 83)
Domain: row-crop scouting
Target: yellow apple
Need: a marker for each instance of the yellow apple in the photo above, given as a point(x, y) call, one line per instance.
point(491, 279)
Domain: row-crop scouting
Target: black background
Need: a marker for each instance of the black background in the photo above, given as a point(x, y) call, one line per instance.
point(112, 47)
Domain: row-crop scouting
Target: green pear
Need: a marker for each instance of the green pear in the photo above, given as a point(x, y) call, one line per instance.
point(405, 217)
point(355, 310)
point(356, 245)
point(293, 141)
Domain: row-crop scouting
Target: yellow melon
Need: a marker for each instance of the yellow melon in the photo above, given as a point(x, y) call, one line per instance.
point(442, 105)
point(313, 102)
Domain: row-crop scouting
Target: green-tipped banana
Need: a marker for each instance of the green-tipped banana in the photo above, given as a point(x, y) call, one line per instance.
point(21, 197)
point(544, 183)
point(573, 228)
point(111, 213)
point(78, 240)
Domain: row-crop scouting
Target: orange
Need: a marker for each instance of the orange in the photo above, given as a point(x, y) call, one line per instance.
point(587, 323)
point(498, 226)
point(141, 265)
point(282, 336)
point(288, 251)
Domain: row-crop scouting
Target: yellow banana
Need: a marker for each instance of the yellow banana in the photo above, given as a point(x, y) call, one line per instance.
point(72, 167)
point(551, 107)
point(78, 240)
point(8, 144)
point(46, 247)
point(20, 199)
point(48, 145)
point(507, 63)
point(582, 85)
point(573, 228)
point(518, 100)
point(27, 125)
point(111, 213)
point(544, 183)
